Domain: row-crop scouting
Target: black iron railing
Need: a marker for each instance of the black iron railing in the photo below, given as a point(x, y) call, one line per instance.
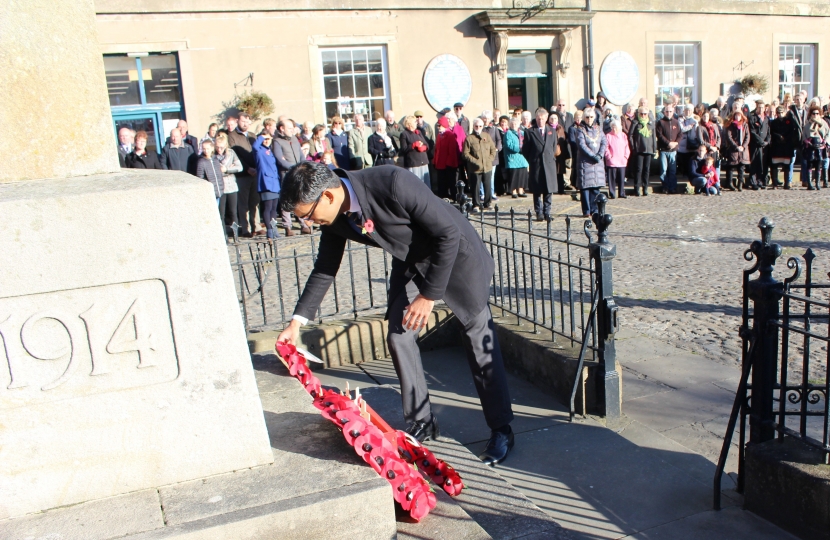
point(543, 276)
point(270, 276)
point(784, 382)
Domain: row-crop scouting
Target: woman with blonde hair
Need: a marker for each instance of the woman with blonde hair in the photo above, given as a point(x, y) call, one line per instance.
point(516, 165)
point(230, 165)
point(413, 150)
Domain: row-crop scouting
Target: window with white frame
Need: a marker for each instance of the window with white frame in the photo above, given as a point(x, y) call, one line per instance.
point(796, 68)
point(676, 69)
point(355, 81)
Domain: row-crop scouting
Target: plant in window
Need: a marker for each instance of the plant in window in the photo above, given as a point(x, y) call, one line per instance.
point(754, 83)
point(256, 104)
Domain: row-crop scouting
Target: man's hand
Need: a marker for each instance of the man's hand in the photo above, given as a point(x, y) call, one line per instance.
point(291, 334)
point(672, 145)
point(417, 313)
point(251, 171)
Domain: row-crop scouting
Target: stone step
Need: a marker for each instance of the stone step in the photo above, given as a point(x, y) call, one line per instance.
point(316, 486)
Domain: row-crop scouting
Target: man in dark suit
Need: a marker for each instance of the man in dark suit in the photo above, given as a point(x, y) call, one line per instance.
point(566, 119)
point(539, 149)
point(436, 255)
point(125, 145)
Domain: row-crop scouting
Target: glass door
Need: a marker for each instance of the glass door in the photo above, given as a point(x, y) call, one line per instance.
point(529, 81)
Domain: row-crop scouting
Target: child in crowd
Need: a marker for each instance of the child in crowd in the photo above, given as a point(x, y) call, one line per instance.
point(703, 172)
point(710, 173)
point(329, 159)
point(305, 147)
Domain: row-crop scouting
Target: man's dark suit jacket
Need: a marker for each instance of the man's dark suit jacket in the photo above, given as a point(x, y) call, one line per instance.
point(540, 153)
point(430, 241)
point(566, 120)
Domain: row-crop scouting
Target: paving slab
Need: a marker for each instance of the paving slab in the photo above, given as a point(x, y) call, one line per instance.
point(636, 385)
point(683, 370)
point(636, 348)
point(669, 410)
point(728, 524)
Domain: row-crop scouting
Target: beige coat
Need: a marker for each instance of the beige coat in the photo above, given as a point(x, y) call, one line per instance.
point(358, 148)
point(479, 152)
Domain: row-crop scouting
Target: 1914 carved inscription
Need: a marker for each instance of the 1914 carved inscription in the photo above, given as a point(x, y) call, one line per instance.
point(66, 344)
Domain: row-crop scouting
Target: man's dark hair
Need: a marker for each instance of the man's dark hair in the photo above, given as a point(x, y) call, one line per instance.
point(304, 183)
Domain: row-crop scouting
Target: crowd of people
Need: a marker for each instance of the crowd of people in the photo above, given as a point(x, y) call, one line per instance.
point(492, 155)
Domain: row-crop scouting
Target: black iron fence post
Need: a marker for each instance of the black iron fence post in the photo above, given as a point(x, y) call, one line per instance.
point(603, 253)
point(766, 293)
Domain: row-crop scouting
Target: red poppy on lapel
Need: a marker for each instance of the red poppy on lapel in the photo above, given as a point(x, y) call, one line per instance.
point(368, 227)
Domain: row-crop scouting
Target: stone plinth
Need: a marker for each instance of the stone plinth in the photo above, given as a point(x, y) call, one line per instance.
point(54, 111)
point(124, 364)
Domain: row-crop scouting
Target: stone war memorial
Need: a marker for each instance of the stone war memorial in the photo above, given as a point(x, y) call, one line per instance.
point(125, 378)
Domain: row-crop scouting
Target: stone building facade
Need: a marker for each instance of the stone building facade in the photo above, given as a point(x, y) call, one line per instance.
point(168, 59)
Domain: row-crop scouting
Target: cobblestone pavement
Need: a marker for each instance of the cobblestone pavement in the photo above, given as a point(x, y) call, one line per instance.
point(678, 270)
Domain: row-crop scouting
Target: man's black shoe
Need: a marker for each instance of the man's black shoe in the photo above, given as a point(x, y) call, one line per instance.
point(424, 430)
point(497, 448)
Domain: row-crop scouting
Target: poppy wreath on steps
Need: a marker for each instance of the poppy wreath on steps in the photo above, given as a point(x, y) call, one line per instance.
point(394, 455)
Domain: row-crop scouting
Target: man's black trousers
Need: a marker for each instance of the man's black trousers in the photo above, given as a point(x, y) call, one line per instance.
point(483, 355)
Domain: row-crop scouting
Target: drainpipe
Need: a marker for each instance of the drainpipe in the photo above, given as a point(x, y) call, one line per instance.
point(590, 46)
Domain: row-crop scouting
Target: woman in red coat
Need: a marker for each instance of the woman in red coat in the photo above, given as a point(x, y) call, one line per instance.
point(446, 159)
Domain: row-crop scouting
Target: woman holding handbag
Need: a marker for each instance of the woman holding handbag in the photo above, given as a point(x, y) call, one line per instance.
point(380, 145)
point(413, 150)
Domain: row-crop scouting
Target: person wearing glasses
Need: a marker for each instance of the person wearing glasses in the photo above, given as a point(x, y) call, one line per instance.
point(815, 147)
point(436, 255)
point(339, 142)
point(642, 140)
point(590, 160)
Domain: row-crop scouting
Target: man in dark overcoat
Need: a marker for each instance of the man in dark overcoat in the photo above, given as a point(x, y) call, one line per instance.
point(759, 139)
point(436, 255)
point(539, 150)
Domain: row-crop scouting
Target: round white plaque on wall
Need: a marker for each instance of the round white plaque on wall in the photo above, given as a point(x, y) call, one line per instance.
point(619, 77)
point(447, 81)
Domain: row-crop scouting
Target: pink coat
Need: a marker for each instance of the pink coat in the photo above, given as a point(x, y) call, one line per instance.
point(460, 135)
point(617, 152)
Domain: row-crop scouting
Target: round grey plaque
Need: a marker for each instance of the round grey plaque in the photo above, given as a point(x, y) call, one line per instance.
point(447, 81)
point(619, 77)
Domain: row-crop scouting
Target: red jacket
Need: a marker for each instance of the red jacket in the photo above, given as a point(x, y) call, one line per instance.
point(446, 150)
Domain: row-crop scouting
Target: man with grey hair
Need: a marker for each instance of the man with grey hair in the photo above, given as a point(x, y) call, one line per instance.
point(495, 135)
point(358, 144)
point(393, 129)
point(668, 139)
point(722, 106)
point(436, 255)
point(126, 136)
point(689, 137)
